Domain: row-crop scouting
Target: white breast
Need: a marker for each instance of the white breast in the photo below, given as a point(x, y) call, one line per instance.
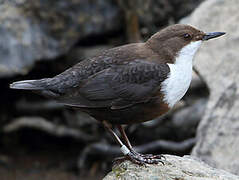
point(179, 78)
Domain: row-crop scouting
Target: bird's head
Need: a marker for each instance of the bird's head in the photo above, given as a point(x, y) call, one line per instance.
point(179, 39)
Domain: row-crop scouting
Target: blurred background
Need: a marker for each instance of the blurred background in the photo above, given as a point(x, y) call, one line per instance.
point(40, 139)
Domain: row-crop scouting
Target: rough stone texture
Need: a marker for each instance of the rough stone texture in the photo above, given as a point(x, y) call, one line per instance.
point(41, 29)
point(153, 12)
point(217, 61)
point(175, 168)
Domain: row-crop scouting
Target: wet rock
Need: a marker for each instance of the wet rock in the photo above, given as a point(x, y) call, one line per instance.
point(39, 29)
point(217, 61)
point(175, 168)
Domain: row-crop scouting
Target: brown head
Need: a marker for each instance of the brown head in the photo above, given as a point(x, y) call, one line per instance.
point(171, 40)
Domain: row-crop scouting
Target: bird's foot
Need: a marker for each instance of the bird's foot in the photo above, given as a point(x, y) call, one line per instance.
point(141, 159)
point(150, 156)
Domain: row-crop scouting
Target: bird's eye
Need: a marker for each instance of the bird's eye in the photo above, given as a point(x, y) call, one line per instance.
point(187, 36)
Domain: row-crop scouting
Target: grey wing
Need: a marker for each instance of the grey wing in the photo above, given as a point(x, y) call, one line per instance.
point(119, 87)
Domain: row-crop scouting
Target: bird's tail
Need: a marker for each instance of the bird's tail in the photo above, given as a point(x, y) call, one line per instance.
point(28, 85)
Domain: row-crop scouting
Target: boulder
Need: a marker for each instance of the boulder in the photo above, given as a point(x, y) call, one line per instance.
point(217, 61)
point(175, 168)
point(34, 30)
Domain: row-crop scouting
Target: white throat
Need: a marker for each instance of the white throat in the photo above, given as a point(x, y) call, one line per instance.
point(179, 78)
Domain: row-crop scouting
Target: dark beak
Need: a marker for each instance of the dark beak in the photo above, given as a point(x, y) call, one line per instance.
point(211, 35)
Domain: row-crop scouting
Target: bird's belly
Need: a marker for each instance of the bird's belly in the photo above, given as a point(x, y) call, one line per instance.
point(134, 114)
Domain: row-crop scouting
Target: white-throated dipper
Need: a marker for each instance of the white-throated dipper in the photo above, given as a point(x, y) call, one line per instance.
point(129, 84)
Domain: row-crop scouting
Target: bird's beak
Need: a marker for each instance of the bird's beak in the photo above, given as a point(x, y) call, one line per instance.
point(211, 35)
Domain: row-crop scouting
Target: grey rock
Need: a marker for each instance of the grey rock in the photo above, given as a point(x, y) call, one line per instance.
point(154, 12)
point(217, 61)
point(39, 29)
point(175, 168)
point(48, 127)
point(196, 82)
point(187, 119)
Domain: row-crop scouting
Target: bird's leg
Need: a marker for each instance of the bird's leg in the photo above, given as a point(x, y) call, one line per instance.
point(123, 148)
point(128, 144)
point(129, 153)
point(124, 136)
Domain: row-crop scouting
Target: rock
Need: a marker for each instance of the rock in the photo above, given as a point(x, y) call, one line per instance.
point(217, 61)
point(47, 126)
point(196, 82)
point(185, 121)
point(34, 30)
point(154, 14)
point(175, 168)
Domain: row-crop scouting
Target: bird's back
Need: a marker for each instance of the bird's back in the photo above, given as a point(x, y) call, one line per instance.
point(74, 76)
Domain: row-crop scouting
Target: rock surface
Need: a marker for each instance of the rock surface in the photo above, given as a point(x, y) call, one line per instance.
point(175, 168)
point(154, 12)
point(33, 30)
point(186, 120)
point(217, 61)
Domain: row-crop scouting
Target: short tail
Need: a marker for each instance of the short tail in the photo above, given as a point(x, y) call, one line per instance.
point(28, 85)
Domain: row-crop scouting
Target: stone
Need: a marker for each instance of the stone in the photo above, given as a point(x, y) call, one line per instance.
point(36, 30)
point(39, 123)
point(217, 61)
point(186, 120)
point(175, 168)
point(154, 12)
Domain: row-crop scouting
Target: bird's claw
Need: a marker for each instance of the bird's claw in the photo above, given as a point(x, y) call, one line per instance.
point(141, 159)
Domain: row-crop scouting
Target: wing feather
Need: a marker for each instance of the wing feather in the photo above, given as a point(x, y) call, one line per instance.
point(119, 86)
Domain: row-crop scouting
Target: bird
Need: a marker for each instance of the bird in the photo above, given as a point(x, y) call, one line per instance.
point(128, 84)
